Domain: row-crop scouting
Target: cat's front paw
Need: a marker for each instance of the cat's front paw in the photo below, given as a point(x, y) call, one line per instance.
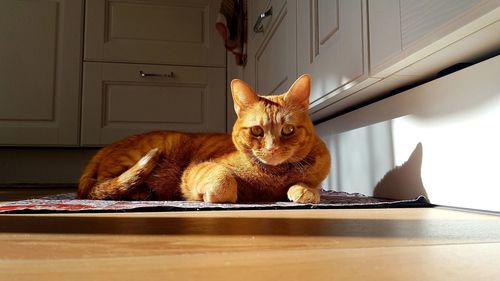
point(210, 182)
point(221, 191)
point(300, 193)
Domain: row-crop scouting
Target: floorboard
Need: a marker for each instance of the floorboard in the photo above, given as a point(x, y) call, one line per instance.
point(354, 244)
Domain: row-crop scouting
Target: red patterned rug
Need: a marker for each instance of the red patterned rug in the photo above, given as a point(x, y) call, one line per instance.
point(68, 203)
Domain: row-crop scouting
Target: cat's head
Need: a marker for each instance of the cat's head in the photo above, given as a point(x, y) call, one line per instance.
point(273, 129)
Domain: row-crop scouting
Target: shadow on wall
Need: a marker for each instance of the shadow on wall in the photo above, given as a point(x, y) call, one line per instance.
point(364, 160)
point(405, 181)
point(455, 117)
point(360, 157)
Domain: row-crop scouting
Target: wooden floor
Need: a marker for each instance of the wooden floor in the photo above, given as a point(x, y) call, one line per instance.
point(369, 244)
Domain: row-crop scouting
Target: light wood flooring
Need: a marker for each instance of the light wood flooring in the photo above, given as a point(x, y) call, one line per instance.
point(353, 244)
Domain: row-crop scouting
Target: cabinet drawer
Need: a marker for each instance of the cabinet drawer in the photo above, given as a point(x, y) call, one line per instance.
point(118, 101)
point(178, 32)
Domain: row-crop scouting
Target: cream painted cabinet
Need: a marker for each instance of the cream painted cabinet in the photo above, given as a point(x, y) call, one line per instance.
point(152, 65)
point(40, 59)
point(358, 51)
point(272, 52)
point(180, 32)
point(125, 99)
point(321, 37)
point(404, 31)
point(330, 44)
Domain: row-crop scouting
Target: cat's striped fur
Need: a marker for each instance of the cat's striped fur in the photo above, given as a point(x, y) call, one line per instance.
point(273, 154)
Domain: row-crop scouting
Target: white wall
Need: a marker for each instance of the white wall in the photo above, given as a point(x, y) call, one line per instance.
point(450, 126)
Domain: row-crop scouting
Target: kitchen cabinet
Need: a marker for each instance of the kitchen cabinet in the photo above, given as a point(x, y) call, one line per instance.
point(152, 65)
point(120, 100)
point(180, 32)
point(361, 51)
point(321, 37)
point(330, 44)
point(45, 101)
point(40, 55)
point(401, 28)
point(272, 66)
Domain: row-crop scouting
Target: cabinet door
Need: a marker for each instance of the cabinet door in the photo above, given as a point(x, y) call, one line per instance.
point(178, 32)
point(118, 101)
point(400, 28)
point(329, 44)
point(40, 53)
point(272, 53)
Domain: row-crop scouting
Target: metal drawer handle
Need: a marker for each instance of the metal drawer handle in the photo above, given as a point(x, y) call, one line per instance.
point(166, 75)
point(259, 27)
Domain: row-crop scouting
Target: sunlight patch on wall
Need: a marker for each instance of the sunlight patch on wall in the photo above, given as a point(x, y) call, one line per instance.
point(461, 153)
point(440, 139)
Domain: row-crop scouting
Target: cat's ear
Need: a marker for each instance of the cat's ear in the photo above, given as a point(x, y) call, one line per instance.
point(299, 92)
point(243, 95)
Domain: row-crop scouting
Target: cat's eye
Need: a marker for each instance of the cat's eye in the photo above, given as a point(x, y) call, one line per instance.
point(256, 131)
point(287, 130)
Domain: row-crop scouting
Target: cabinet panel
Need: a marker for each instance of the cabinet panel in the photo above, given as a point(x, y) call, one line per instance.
point(40, 76)
point(43, 34)
point(164, 102)
point(384, 22)
point(419, 18)
point(275, 57)
point(164, 32)
point(135, 21)
point(403, 32)
point(118, 101)
point(255, 9)
point(329, 44)
point(327, 20)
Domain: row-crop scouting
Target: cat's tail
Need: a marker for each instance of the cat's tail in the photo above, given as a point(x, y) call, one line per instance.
point(119, 186)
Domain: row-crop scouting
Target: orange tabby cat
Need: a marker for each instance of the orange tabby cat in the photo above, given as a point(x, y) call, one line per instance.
point(274, 153)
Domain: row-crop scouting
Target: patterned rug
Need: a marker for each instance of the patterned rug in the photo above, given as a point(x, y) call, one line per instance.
point(66, 203)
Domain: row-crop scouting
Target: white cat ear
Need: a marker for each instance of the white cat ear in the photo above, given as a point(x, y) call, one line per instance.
point(243, 95)
point(299, 92)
